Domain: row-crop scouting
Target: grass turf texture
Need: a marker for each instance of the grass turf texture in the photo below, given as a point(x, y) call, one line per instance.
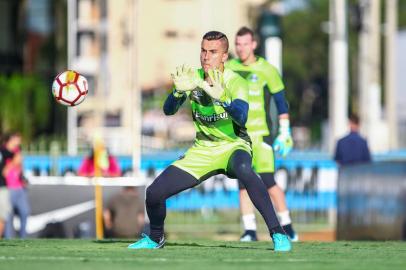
point(193, 255)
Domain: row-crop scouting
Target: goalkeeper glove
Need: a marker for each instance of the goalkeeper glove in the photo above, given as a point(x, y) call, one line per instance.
point(217, 91)
point(283, 143)
point(185, 79)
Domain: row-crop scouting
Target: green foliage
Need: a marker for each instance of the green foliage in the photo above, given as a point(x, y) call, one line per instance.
point(402, 14)
point(305, 62)
point(24, 104)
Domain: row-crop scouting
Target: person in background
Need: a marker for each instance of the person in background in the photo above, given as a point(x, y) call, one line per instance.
point(352, 149)
point(10, 144)
point(124, 214)
point(264, 84)
point(107, 163)
point(20, 205)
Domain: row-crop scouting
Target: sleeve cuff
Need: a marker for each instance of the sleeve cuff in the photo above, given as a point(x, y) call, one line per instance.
point(177, 94)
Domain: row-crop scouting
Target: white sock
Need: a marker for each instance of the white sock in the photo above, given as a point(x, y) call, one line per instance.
point(284, 218)
point(249, 222)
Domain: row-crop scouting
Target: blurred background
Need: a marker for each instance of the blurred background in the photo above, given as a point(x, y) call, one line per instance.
point(337, 57)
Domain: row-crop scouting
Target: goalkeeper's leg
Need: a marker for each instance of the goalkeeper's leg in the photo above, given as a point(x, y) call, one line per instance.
point(170, 182)
point(240, 167)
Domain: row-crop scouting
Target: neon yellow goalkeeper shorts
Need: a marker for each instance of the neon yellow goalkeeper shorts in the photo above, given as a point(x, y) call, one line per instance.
point(262, 156)
point(203, 162)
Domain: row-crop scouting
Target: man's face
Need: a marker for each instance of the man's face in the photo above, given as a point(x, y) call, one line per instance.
point(245, 46)
point(213, 54)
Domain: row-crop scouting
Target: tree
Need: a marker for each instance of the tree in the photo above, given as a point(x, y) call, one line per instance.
point(24, 104)
point(305, 64)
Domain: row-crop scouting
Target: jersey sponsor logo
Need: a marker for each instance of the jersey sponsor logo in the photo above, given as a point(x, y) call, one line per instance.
point(210, 118)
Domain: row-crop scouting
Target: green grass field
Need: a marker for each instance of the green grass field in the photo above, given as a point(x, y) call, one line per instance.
point(194, 255)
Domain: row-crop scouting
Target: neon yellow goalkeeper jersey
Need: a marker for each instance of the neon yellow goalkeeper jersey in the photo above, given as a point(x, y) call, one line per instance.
point(263, 80)
point(213, 124)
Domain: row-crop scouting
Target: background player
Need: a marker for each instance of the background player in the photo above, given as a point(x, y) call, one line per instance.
point(222, 145)
point(264, 81)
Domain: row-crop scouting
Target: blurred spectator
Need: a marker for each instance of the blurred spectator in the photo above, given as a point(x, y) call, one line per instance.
point(10, 144)
point(124, 214)
point(107, 163)
point(352, 149)
point(20, 205)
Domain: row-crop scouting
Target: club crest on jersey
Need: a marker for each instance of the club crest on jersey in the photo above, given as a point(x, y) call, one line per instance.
point(253, 78)
point(197, 93)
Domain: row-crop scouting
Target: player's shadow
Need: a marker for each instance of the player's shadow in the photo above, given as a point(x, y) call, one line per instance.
point(112, 241)
point(168, 244)
point(211, 246)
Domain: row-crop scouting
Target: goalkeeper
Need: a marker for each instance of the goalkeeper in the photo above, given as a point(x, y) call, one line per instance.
point(264, 81)
point(218, 98)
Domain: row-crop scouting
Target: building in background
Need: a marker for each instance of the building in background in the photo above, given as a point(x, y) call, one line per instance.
point(125, 46)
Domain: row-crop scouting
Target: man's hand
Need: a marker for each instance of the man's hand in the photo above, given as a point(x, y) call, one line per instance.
point(283, 143)
point(185, 79)
point(217, 90)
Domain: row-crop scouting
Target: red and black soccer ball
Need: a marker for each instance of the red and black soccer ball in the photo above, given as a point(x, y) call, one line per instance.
point(70, 88)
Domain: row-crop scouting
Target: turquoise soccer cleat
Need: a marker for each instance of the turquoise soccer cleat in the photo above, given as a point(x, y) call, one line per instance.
point(281, 242)
point(147, 243)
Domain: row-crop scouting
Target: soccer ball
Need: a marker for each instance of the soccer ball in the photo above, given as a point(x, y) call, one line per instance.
point(69, 88)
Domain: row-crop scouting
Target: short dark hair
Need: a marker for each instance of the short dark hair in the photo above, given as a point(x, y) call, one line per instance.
point(216, 35)
point(245, 31)
point(354, 119)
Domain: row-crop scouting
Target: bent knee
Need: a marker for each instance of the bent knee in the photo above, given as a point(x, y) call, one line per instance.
point(243, 169)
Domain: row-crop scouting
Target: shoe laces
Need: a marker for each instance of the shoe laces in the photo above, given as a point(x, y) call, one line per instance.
point(278, 238)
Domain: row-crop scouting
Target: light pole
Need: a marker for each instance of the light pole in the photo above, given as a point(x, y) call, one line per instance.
point(390, 72)
point(338, 71)
point(72, 130)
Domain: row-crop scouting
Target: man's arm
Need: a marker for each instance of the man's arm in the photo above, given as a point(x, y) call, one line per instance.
point(367, 154)
point(281, 104)
point(283, 142)
point(173, 102)
point(337, 155)
point(238, 111)
point(107, 219)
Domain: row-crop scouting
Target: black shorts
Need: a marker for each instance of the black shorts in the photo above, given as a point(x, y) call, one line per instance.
point(267, 178)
